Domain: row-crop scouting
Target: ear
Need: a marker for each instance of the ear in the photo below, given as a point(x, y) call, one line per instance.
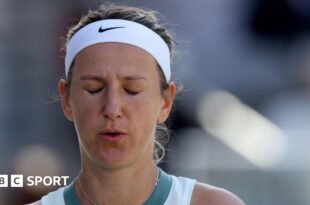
point(64, 94)
point(168, 98)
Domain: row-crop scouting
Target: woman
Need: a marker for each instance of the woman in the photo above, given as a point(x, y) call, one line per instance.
point(117, 90)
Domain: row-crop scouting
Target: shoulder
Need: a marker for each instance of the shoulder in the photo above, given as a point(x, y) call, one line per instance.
point(36, 203)
point(204, 194)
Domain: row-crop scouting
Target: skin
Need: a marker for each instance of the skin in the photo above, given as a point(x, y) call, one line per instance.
point(116, 86)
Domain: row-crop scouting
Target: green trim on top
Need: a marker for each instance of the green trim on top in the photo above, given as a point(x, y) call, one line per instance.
point(162, 190)
point(158, 197)
point(70, 195)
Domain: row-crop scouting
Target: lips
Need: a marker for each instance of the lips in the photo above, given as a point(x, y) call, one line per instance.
point(112, 135)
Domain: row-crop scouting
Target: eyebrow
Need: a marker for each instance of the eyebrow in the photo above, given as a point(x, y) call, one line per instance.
point(97, 78)
point(135, 77)
point(91, 77)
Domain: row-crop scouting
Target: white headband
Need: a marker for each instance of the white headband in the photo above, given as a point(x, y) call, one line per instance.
point(120, 31)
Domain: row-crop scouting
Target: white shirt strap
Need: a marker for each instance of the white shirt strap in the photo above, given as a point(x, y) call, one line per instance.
point(54, 198)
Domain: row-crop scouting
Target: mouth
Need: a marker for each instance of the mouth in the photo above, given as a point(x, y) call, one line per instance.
point(112, 136)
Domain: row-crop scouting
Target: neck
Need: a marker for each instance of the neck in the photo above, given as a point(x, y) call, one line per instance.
point(128, 185)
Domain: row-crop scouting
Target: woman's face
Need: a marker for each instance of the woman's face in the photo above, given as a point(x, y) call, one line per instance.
point(115, 103)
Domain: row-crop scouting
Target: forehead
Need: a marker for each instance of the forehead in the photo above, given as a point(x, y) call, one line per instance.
point(114, 57)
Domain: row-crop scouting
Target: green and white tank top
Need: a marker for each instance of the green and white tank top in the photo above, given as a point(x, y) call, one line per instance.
point(170, 190)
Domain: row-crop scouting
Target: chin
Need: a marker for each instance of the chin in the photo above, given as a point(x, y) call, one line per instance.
point(114, 159)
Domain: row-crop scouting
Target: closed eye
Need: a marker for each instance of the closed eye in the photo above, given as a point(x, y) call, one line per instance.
point(93, 92)
point(132, 92)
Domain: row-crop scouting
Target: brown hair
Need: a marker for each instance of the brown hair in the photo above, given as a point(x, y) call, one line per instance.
point(147, 18)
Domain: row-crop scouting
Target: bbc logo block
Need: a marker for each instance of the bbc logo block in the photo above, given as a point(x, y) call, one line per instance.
point(4, 180)
point(17, 180)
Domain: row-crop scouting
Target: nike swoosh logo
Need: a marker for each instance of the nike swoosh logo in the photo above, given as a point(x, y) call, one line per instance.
point(101, 30)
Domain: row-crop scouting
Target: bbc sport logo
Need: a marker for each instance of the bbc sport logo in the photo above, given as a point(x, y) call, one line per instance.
point(17, 180)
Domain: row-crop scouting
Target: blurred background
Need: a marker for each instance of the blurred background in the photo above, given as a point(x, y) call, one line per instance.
point(241, 122)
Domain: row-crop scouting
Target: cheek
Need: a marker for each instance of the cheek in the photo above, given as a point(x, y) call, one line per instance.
point(143, 114)
point(82, 111)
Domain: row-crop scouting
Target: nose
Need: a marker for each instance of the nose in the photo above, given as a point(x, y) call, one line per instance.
point(112, 108)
